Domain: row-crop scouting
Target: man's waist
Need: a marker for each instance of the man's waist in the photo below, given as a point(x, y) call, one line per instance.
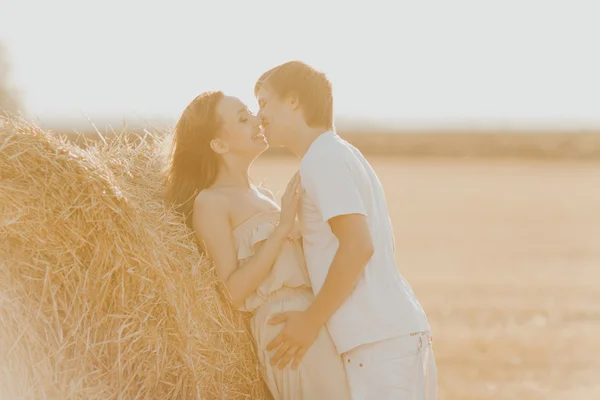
point(365, 312)
point(353, 311)
point(351, 333)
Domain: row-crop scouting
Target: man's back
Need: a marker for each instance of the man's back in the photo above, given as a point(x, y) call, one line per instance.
point(338, 180)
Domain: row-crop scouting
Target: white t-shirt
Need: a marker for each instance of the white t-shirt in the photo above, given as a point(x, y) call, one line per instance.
point(338, 180)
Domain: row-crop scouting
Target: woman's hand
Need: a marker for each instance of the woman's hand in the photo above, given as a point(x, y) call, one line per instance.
point(290, 203)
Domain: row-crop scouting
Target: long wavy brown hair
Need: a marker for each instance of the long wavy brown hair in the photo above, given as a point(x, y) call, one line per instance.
point(192, 164)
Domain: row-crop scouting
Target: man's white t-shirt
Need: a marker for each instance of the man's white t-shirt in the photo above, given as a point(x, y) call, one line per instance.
point(338, 180)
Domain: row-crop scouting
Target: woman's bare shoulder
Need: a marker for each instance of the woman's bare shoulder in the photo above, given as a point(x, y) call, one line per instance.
point(209, 200)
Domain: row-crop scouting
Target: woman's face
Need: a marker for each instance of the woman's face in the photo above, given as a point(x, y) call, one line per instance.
point(240, 132)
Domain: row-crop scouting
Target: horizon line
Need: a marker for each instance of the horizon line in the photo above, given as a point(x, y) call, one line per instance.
point(342, 122)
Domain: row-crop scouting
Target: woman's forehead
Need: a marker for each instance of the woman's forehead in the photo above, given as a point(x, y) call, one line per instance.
point(231, 105)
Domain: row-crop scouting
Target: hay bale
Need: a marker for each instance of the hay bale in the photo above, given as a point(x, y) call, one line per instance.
point(102, 291)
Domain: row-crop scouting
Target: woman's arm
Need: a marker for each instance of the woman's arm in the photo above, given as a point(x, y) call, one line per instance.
point(213, 229)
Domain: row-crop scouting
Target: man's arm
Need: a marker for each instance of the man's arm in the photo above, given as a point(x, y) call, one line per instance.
point(353, 254)
point(333, 187)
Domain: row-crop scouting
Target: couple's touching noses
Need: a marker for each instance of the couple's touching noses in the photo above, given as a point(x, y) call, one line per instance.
point(331, 315)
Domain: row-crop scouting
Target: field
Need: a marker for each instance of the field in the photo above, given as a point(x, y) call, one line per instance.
point(505, 258)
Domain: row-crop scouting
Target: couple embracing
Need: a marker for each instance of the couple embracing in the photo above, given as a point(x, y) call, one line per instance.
point(332, 317)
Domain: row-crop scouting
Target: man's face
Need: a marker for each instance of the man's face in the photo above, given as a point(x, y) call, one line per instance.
point(276, 115)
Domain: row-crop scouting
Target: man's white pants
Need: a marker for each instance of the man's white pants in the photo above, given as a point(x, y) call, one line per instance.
point(401, 368)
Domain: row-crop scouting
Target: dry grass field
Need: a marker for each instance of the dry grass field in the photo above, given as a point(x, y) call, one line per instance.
point(505, 257)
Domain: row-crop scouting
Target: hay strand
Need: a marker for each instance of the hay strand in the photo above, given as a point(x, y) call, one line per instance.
point(103, 294)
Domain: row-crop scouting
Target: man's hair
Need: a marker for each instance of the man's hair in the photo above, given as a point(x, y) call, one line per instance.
point(311, 86)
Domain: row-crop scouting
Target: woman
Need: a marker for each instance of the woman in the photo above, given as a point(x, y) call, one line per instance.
point(253, 243)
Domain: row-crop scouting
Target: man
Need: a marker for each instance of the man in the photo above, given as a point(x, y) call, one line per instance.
point(371, 312)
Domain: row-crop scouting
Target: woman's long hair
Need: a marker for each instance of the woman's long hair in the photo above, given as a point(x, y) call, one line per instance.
point(192, 164)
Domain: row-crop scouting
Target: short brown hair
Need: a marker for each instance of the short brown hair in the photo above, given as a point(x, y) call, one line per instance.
point(310, 85)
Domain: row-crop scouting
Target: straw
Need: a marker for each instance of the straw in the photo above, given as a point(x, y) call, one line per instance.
point(103, 294)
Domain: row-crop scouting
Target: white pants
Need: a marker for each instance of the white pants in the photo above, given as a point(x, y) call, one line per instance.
point(401, 368)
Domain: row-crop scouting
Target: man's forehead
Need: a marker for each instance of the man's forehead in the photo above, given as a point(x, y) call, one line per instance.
point(263, 92)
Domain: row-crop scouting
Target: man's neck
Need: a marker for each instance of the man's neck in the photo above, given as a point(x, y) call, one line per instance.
point(305, 138)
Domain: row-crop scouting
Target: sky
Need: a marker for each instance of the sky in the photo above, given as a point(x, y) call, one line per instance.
point(424, 63)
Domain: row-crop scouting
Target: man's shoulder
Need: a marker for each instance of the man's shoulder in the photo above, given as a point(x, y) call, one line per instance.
point(329, 149)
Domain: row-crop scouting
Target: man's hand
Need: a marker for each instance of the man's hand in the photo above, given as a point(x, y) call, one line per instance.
point(294, 340)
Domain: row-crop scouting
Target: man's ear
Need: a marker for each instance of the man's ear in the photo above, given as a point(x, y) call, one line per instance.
point(219, 146)
point(293, 100)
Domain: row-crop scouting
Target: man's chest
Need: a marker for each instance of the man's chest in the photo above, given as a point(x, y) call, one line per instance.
point(310, 217)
